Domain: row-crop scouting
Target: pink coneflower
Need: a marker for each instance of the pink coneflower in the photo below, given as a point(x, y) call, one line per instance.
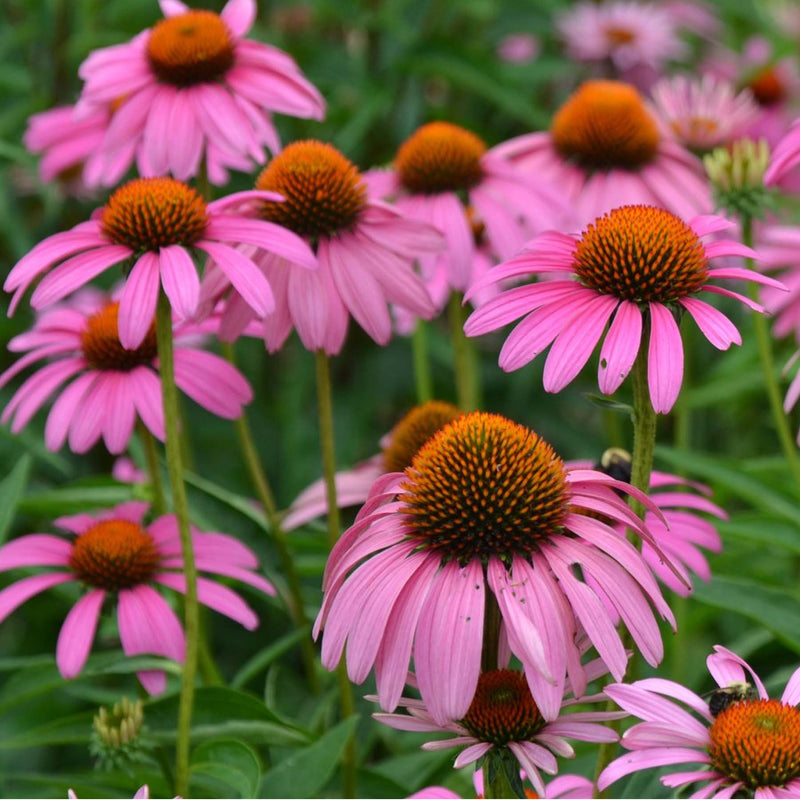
point(365, 251)
point(398, 448)
point(190, 83)
point(445, 175)
point(564, 786)
point(110, 386)
point(636, 38)
point(635, 266)
point(119, 558)
point(703, 113)
point(604, 149)
point(486, 508)
point(751, 746)
point(503, 714)
point(679, 531)
point(159, 223)
point(70, 148)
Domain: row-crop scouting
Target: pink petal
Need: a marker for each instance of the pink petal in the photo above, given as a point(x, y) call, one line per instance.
point(243, 274)
point(212, 382)
point(620, 348)
point(137, 305)
point(12, 597)
point(665, 359)
point(716, 327)
point(180, 280)
point(447, 652)
point(35, 550)
point(239, 16)
point(77, 633)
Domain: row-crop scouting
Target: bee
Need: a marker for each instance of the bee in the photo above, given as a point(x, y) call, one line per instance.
point(725, 697)
point(616, 463)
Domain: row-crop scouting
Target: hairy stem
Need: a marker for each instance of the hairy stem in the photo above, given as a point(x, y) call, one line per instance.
point(181, 506)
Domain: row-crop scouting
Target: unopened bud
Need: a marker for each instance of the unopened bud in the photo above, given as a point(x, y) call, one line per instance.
point(117, 734)
point(736, 173)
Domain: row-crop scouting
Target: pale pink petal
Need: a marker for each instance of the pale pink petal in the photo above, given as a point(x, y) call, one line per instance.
point(239, 16)
point(726, 668)
point(77, 633)
point(447, 651)
point(146, 392)
point(647, 759)
point(791, 694)
point(184, 142)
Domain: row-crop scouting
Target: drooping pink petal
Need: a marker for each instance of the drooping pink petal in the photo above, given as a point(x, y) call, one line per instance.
point(647, 759)
point(137, 305)
point(620, 347)
point(716, 327)
point(726, 668)
point(212, 382)
point(447, 652)
point(77, 633)
point(665, 359)
point(180, 280)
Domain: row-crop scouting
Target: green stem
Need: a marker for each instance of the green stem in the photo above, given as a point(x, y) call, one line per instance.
point(465, 358)
point(644, 443)
point(153, 469)
point(422, 364)
point(258, 476)
point(325, 410)
point(209, 671)
point(768, 363)
point(181, 505)
point(326, 438)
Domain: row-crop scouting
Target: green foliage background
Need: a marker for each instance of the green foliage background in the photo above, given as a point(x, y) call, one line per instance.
point(384, 67)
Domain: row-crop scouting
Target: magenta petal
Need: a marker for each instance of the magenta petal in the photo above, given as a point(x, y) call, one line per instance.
point(716, 327)
point(647, 759)
point(216, 596)
point(77, 633)
point(620, 347)
point(447, 652)
point(665, 359)
point(12, 597)
point(137, 306)
point(180, 280)
point(35, 550)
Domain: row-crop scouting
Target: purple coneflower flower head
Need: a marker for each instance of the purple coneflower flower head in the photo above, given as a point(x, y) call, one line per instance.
point(633, 267)
point(486, 512)
point(159, 223)
point(445, 175)
point(398, 448)
point(703, 113)
point(503, 714)
point(103, 387)
point(604, 149)
point(365, 251)
point(193, 86)
point(746, 741)
point(778, 253)
point(634, 37)
point(119, 558)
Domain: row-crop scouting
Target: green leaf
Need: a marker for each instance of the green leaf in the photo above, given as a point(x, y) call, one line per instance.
point(304, 773)
point(223, 713)
point(761, 530)
point(774, 608)
point(77, 498)
point(11, 489)
point(265, 657)
point(609, 404)
point(75, 729)
point(28, 683)
point(229, 762)
point(238, 502)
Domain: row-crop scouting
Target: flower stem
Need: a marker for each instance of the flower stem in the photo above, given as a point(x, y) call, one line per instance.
point(325, 411)
point(422, 364)
point(181, 505)
point(768, 363)
point(468, 388)
point(153, 469)
point(258, 476)
point(644, 443)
